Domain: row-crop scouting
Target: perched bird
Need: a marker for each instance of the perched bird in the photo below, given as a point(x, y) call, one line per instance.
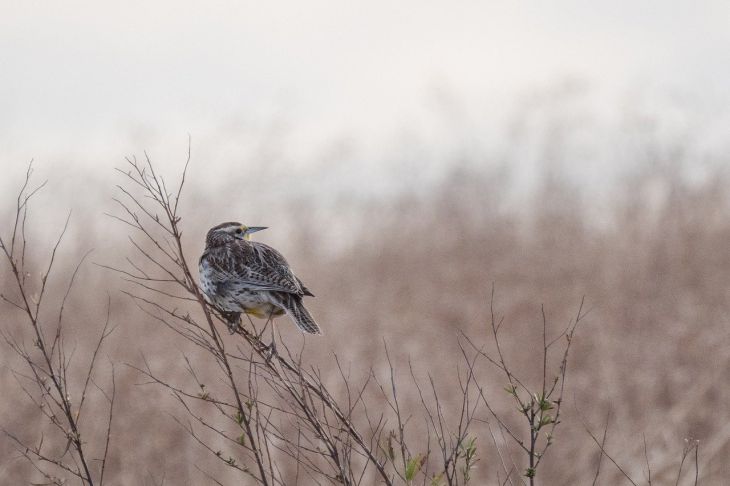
point(243, 276)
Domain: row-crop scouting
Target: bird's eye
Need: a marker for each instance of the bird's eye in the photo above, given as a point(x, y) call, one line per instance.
point(239, 231)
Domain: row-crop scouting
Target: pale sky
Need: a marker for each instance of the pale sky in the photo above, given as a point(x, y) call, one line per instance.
point(89, 81)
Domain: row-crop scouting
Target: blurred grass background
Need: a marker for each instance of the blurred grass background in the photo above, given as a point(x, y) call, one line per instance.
point(415, 269)
point(406, 159)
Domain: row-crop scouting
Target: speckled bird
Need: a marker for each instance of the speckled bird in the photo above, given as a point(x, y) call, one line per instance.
point(243, 276)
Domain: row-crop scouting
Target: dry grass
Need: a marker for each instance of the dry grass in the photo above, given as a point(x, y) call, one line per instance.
point(652, 352)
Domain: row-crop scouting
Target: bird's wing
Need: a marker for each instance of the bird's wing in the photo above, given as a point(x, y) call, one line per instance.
point(271, 268)
point(305, 290)
point(256, 266)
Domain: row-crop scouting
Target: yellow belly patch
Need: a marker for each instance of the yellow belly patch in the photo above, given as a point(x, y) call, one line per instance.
point(264, 311)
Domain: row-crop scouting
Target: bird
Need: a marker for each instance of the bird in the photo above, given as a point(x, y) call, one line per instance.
point(239, 275)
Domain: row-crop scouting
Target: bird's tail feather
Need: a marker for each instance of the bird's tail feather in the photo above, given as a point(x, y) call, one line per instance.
point(299, 314)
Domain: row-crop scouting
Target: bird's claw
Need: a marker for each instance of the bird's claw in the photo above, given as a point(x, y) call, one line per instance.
point(271, 351)
point(233, 320)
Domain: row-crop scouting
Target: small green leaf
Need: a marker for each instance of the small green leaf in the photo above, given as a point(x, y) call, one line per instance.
point(545, 420)
point(469, 452)
point(412, 467)
point(436, 480)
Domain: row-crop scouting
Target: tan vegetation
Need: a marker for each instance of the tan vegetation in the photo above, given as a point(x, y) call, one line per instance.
point(647, 365)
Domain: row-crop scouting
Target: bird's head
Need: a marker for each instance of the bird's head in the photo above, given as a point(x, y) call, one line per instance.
point(226, 232)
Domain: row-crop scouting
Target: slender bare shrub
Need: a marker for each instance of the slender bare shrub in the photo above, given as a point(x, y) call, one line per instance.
point(273, 419)
point(51, 379)
point(690, 450)
point(541, 406)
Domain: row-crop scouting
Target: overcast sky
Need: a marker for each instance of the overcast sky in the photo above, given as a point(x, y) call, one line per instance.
point(91, 81)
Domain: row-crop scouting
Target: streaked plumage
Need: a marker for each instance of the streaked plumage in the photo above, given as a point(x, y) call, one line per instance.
point(243, 276)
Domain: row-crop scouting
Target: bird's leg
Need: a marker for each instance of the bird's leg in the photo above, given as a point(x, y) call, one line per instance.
point(272, 347)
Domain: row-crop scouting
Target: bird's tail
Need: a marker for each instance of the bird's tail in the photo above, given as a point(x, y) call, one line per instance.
point(299, 314)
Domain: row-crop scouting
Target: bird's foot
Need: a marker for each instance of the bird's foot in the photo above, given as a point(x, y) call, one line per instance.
point(234, 327)
point(233, 319)
point(270, 352)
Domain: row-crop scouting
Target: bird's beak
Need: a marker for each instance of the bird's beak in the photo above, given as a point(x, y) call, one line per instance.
point(254, 229)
